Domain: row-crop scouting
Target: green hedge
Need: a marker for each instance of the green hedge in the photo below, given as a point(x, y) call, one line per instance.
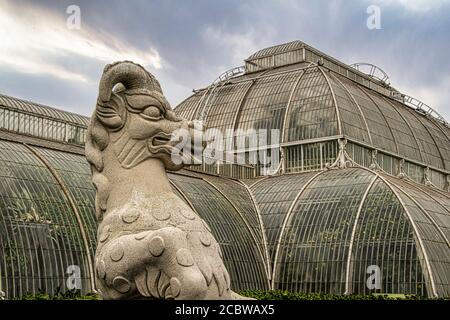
point(68, 295)
point(286, 295)
point(257, 294)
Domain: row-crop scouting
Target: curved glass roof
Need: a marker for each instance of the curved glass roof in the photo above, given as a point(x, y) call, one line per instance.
point(273, 50)
point(242, 254)
point(39, 109)
point(47, 221)
point(40, 235)
point(325, 228)
point(315, 101)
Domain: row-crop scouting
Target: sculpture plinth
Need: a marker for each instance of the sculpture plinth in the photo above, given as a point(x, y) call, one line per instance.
point(150, 242)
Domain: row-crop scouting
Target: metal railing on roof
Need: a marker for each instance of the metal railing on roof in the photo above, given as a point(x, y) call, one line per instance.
point(231, 73)
point(220, 80)
point(373, 71)
point(419, 106)
point(379, 74)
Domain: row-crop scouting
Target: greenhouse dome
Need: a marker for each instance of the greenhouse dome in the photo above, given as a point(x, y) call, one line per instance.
point(362, 188)
point(363, 168)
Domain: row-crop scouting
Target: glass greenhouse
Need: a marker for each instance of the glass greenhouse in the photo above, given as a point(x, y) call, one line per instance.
point(363, 184)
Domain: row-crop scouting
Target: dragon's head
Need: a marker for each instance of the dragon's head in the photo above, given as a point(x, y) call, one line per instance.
point(133, 117)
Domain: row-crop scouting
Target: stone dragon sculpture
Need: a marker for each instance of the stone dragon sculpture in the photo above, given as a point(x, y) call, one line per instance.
point(151, 244)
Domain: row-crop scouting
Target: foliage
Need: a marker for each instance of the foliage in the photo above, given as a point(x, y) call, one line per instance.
point(257, 294)
point(58, 295)
point(26, 210)
point(286, 295)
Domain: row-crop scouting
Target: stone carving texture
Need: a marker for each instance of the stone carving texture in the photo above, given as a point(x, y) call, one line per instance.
point(150, 242)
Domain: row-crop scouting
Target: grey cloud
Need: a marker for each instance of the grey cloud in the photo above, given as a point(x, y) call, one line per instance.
point(70, 96)
point(411, 46)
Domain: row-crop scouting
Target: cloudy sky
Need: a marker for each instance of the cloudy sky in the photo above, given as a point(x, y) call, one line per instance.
point(188, 43)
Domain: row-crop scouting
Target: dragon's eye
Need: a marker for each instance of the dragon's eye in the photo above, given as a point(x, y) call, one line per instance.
point(152, 113)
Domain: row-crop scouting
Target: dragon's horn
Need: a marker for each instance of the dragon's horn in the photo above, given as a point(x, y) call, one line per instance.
point(130, 75)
